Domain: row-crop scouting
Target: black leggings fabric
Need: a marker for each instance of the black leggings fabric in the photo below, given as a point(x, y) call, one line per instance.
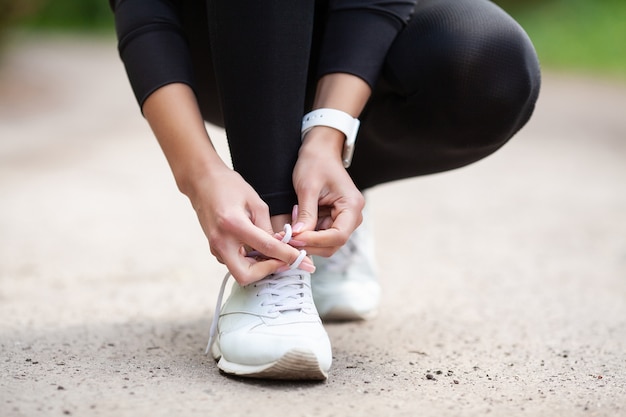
point(458, 82)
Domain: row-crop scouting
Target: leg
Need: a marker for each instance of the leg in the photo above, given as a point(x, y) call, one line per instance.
point(460, 80)
point(195, 23)
point(268, 329)
point(263, 127)
point(230, 62)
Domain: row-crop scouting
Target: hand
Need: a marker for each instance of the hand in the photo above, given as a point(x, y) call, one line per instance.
point(232, 215)
point(236, 221)
point(329, 204)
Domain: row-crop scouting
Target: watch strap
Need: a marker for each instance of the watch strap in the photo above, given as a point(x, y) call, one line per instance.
point(338, 120)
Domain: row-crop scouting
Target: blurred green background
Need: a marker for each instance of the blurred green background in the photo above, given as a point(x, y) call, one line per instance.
point(585, 36)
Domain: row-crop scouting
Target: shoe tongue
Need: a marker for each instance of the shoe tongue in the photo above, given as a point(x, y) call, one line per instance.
point(288, 281)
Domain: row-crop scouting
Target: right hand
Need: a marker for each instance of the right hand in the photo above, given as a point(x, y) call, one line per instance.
point(236, 220)
point(231, 213)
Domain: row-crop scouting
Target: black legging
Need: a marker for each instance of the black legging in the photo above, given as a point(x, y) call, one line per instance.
point(458, 82)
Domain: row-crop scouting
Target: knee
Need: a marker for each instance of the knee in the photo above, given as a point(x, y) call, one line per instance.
point(503, 78)
point(493, 90)
point(479, 73)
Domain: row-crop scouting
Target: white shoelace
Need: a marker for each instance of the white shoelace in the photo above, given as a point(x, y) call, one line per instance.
point(287, 290)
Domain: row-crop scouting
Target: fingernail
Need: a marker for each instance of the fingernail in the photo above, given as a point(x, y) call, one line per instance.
point(297, 227)
point(294, 213)
point(307, 267)
point(297, 243)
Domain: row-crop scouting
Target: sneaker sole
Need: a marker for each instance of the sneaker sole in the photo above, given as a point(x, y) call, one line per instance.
point(296, 364)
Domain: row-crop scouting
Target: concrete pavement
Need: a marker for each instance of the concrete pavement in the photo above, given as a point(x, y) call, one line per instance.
point(504, 282)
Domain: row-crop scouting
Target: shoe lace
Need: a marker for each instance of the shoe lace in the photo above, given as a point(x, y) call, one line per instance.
point(288, 291)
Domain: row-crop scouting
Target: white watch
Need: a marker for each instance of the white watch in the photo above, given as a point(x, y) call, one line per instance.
point(336, 119)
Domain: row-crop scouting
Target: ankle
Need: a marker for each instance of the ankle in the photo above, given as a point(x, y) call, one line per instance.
point(279, 221)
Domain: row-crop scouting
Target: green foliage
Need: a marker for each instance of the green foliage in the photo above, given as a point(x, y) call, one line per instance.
point(68, 14)
point(581, 35)
point(513, 5)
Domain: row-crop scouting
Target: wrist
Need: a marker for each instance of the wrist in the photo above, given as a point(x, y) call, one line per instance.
point(174, 116)
point(193, 175)
point(323, 141)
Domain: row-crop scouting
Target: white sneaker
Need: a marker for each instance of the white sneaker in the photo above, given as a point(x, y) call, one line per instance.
point(271, 329)
point(345, 286)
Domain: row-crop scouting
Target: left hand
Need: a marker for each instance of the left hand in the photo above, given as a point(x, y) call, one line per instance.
point(329, 204)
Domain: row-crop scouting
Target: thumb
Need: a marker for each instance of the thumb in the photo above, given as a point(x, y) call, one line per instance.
point(305, 214)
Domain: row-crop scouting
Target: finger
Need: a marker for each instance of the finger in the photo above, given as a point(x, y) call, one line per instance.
point(294, 214)
point(324, 223)
point(306, 211)
point(270, 247)
point(322, 242)
point(260, 216)
point(334, 236)
point(248, 271)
